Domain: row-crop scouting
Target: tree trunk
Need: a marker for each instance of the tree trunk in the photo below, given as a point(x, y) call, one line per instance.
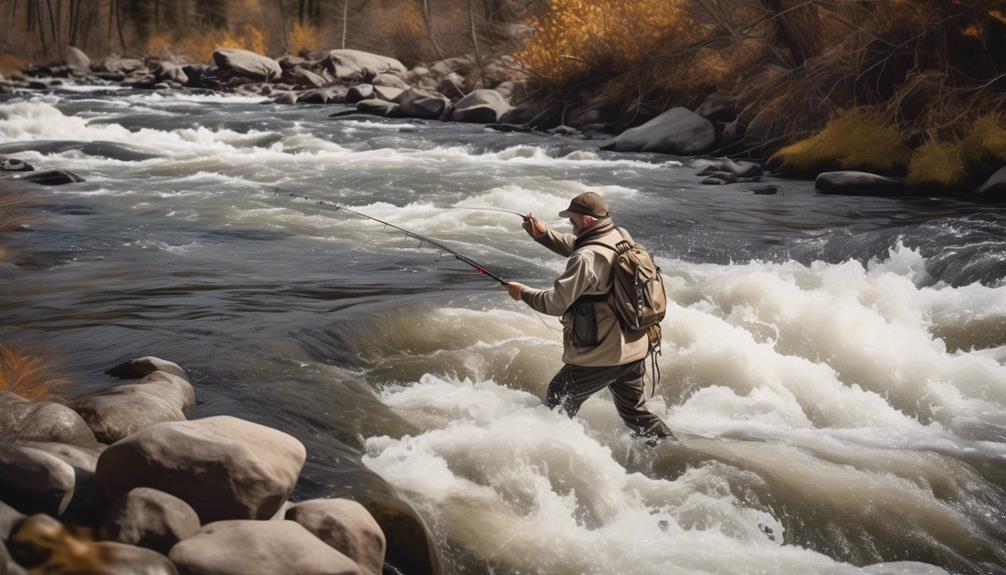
point(345, 18)
point(475, 39)
point(428, 19)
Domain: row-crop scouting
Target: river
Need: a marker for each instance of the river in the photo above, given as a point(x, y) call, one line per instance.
point(835, 366)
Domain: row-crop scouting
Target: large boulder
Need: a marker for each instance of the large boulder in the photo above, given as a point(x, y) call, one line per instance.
point(86, 505)
point(346, 526)
point(481, 106)
point(391, 80)
point(44, 545)
point(247, 64)
point(419, 104)
point(306, 78)
point(452, 86)
point(53, 178)
point(115, 413)
point(356, 64)
point(77, 61)
point(994, 188)
point(359, 93)
point(23, 420)
point(224, 467)
point(33, 481)
point(10, 519)
point(323, 96)
point(677, 131)
point(144, 366)
point(859, 184)
point(377, 107)
point(258, 548)
point(387, 93)
point(150, 518)
point(169, 71)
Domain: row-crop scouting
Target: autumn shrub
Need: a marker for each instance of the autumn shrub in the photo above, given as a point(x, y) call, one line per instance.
point(937, 166)
point(199, 47)
point(304, 38)
point(858, 139)
point(27, 375)
point(9, 64)
point(984, 147)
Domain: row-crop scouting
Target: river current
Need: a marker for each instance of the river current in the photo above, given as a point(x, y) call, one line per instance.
point(834, 366)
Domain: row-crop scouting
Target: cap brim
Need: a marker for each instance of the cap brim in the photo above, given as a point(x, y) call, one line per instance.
point(566, 213)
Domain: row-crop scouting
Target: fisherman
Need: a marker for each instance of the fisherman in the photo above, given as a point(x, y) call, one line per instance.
point(597, 353)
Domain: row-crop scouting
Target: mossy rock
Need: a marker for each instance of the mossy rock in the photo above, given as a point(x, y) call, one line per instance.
point(858, 139)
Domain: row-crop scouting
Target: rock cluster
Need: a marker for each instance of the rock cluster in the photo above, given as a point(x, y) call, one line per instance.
point(164, 494)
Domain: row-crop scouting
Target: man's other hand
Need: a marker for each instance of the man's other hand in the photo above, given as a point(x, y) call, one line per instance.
point(533, 227)
point(514, 289)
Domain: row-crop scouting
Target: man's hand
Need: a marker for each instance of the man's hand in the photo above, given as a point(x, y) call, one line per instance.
point(514, 289)
point(533, 227)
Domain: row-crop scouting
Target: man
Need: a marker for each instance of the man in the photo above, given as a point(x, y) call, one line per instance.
point(596, 352)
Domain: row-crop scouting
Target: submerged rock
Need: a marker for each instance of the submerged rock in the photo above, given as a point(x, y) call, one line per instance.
point(144, 366)
point(151, 519)
point(677, 131)
point(741, 169)
point(247, 64)
point(346, 526)
point(859, 184)
point(377, 106)
point(52, 178)
point(224, 467)
point(14, 165)
point(116, 413)
point(23, 420)
point(481, 106)
point(259, 548)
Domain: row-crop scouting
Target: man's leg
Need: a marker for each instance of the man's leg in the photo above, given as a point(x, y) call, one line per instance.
point(629, 393)
point(574, 384)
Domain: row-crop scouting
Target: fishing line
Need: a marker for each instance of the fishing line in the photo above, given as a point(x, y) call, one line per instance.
point(487, 210)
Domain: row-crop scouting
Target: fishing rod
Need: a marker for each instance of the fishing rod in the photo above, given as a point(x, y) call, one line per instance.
point(408, 234)
point(488, 210)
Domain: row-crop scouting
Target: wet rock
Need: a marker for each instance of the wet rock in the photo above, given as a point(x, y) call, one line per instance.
point(258, 548)
point(23, 420)
point(286, 98)
point(169, 71)
point(77, 60)
point(859, 184)
point(86, 505)
point(481, 106)
point(37, 85)
point(43, 545)
point(356, 64)
point(120, 65)
point(409, 542)
point(10, 519)
point(419, 104)
point(994, 188)
point(741, 169)
point(766, 190)
point(719, 178)
point(390, 80)
point(151, 519)
point(563, 131)
point(53, 178)
point(290, 61)
point(452, 86)
point(115, 413)
point(387, 93)
point(322, 96)
point(359, 93)
point(377, 107)
point(224, 467)
point(144, 366)
point(718, 107)
point(247, 64)
point(163, 86)
point(532, 114)
point(306, 78)
point(600, 130)
point(346, 526)
point(33, 481)
point(677, 131)
point(14, 165)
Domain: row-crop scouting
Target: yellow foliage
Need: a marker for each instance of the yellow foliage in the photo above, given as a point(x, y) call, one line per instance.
point(199, 47)
point(304, 38)
point(24, 374)
point(10, 64)
point(856, 140)
point(984, 148)
point(572, 35)
point(937, 165)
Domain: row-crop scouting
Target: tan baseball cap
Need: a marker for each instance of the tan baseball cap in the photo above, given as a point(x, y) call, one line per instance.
point(586, 204)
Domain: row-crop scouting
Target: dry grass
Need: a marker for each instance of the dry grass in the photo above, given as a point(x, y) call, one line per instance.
point(937, 166)
point(858, 139)
point(984, 148)
point(199, 47)
point(10, 64)
point(304, 38)
point(28, 375)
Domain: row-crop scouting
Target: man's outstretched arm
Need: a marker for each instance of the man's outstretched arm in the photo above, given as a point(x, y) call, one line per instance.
point(561, 244)
point(578, 278)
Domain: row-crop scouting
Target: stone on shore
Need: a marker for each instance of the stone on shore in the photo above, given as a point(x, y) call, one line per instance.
point(77, 61)
point(116, 413)
point(248, 64)
point(151, 519)
point(52, 178)
point(677, 131)
point(359, 93)
point(387, 93)
point(482, 106)
point(144, 366)
point(390, 80)
point(994, 187)
point(346, 526)
point(306, 78)
point(23, 420)
point(258, 548)
point(452, 86)
point(10, 519)
point(86, 505)
point(859, 184)
point(33, 481)
point(377, 107)
point(224, 467)
point(348, 64)
point(322, 96)
point(419, 104)
point(169, 71)
point(741, 169)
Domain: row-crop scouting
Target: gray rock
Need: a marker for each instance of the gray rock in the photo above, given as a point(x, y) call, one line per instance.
point(419, 104)
point(322, 96)
point(346, 526)
point(481, 106)
point(286, 98)
point(390, 80)
point(859, 184)
point(23, 420)
point(359, 92)
point(10, 519)
point(121, 65)
point(247, 64)
point(52, 178)
point(169, 71)
point(33, 481)
point(452, 86)
point(357, 64)
point(224, 467)
point(258, 548)
point(144, 366)
point(77, 60)
point(563, 131)
point(303, 77)
point(290, 61)
point(151, 519)
point(718, 107)
point(994, 187)
point(514, 91)
point(720, 178)
point(15, 165)
point(86, 505)
point(129, 560)
point(766, 190)
point(377, 107)
point(115, 413)
point(387, 93)
point(677, 131)
point(742, 169)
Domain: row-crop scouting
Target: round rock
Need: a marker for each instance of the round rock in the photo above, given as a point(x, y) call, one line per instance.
point(23, 420)
point(33, 481)
point(346, 526)
point(676, 131)
point(118, 412)
point(150, 518)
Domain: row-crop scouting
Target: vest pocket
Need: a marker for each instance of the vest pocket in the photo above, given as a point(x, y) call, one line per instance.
point(584, 326)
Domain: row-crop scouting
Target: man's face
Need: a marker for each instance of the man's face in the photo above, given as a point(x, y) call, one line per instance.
point(580, 223)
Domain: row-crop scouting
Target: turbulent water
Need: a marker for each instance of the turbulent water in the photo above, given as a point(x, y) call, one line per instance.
point(834, 366)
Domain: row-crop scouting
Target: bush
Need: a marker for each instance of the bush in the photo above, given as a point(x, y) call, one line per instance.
point(984, 148)
point(937, 167)
point(855, 140)
point(199, 47)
